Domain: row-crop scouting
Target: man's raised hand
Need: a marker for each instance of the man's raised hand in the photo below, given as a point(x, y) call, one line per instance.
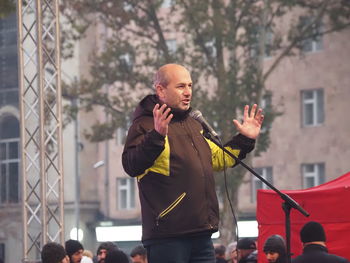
point(251, 122)
point(162, 118)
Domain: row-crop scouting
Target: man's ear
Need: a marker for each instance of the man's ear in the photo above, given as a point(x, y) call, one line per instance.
point(160, 91)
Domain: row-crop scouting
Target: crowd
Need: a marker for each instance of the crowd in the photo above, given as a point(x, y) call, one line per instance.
point(74, 252)
point(312, 236)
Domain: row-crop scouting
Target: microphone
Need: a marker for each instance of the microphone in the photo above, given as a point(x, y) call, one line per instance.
point(198, 116)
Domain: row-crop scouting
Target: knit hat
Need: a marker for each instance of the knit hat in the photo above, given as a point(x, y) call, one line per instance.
point(312, 231)
point(73, 246)
point(275, 243)
point(246, 243)
point(52, 253)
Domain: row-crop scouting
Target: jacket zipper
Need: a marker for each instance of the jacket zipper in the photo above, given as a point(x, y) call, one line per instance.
point(170, 207)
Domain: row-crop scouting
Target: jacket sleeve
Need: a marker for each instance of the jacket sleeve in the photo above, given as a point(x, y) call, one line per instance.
point(239, 146)
point(141, 149)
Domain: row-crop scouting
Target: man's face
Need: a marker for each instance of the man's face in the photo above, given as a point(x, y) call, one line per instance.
point(102, 253)
point(233, 255)
point(178, 93)
point(77, 256)
point(271, 256)
point(139, 259)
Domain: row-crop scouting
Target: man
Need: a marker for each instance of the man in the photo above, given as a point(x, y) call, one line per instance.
point(220, 253)
point(54, 253)
point(246, 251)
point(139, 255)
point(174, 165)
point(74, 250)
point(103, 250)
point(275, 249)
point(231, 252)
point(313, 237)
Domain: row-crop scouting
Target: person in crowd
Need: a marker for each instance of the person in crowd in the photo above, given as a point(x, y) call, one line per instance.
point(139, 255)
point(313, 237)
point(275, 249)
point(246, 251)
point(74, 250)
point(87, 256)
point(116, 256)
point(174, 163)
point(220, 253)
point(231, 252)
point(53, 252)
point(103, 250)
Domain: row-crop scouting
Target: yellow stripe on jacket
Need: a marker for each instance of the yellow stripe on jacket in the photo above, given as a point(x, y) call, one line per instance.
point(161, 164)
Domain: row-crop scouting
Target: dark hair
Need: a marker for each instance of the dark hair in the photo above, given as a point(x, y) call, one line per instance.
point(139, 250)
point(52, 253)
point(72, 246)
point(116, 256)
point(106, 245)
point(246, 243)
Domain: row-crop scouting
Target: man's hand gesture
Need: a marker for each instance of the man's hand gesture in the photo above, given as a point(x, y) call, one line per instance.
point(251, 122)
point(162, 118)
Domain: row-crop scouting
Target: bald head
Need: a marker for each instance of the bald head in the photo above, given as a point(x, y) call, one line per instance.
point(165, 72)
point(173, 86)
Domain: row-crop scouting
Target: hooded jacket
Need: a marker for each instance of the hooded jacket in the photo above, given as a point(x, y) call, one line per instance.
point(275, 243)
point(175, 172)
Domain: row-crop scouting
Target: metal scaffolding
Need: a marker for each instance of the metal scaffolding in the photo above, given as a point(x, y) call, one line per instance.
point(41, 125)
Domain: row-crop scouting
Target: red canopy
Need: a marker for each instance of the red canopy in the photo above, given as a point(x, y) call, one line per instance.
point(328, 204)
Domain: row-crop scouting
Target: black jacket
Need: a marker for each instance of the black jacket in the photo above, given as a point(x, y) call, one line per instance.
point(314, 253)
point(175, 173)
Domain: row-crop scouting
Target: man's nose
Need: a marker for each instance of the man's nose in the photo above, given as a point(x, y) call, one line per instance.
point(187, 90)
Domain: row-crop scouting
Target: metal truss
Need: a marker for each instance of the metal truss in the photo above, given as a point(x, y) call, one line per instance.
point(41, 125)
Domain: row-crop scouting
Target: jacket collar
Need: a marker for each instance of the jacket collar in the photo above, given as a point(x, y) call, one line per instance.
point(314, 247)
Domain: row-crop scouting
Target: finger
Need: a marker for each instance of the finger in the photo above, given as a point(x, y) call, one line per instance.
point(261, 119)
point(258, 114)
point(237, 124)
point(155, 110)
point(168, 119)
point(253, 110)
point(246, 110)
point(162, 108)
point(165, 114)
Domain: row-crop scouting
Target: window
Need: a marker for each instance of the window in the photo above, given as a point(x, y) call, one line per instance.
point(313, 43)
point(268, 42)
point(167, 3)
point(313, 174)
point(126, 193)
point(313, 107)
point(8, 61)
point(171, 44)
point(126, 62)
point(9, 160)
point(266, 173)
point(210, 45)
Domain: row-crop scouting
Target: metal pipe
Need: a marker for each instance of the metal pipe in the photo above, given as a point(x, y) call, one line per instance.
point(59, 119)
point(42, 147)
point(22, 121)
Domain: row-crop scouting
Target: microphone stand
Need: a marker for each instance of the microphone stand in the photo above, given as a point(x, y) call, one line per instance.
point(288, 203)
